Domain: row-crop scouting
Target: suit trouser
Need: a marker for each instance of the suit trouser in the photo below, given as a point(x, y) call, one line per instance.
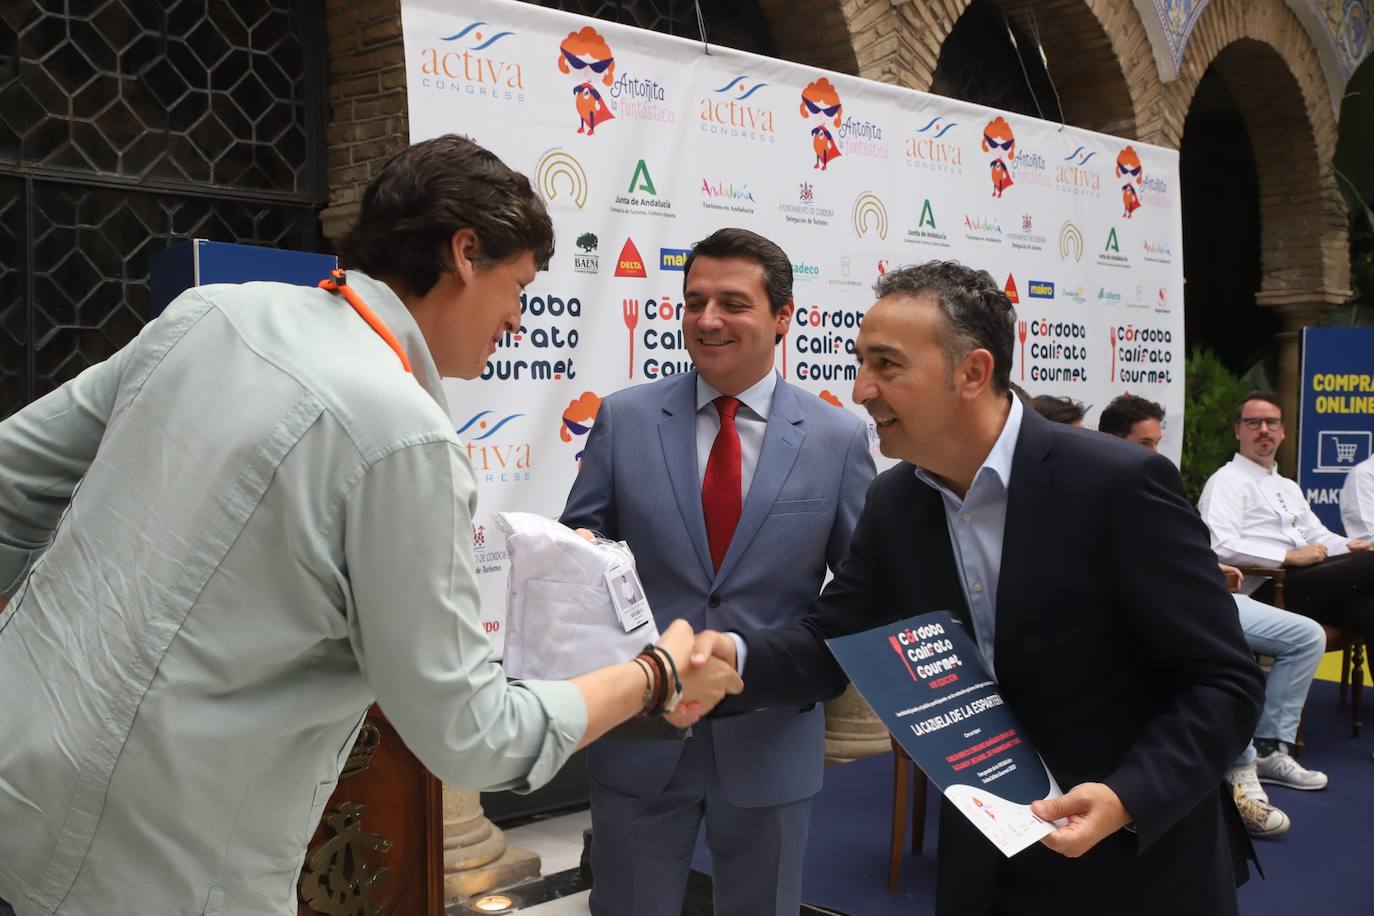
point(5, 909)
point(1338, 591)
point(642, 847)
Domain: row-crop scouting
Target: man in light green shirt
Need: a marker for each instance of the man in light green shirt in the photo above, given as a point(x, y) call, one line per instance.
point(221, 545)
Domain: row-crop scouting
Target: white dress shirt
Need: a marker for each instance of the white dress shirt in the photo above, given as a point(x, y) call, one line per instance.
point(977, 524)
point(1357, 500)
point(1256, 516)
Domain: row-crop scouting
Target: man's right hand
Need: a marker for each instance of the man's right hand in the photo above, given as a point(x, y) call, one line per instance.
point(1305, 556)
point(707, 674)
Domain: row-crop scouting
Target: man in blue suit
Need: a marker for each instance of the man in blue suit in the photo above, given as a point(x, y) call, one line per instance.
point(735, 490)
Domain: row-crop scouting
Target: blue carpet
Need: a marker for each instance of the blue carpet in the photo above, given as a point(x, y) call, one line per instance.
point(1324, 866)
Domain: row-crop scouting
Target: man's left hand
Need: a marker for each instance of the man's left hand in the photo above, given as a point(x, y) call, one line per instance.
point(1360, 544)
point(1094, 813)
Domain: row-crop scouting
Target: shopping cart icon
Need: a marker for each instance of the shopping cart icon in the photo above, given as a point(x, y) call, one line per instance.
point(1340, 450)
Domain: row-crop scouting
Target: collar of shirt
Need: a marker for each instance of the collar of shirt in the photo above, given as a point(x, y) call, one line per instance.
point(1253, 469)
point(997, 464)
point(757, 397)
point(394, 314)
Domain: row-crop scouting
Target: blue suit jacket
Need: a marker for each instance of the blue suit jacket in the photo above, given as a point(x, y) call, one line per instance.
point(639, 483)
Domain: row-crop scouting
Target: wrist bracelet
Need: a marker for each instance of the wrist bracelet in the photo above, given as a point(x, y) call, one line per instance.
point(648, 697)
point(675, 696)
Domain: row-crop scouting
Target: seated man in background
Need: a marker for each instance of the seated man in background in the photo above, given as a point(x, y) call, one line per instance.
point(1357, 500)
point(1296, 644)
point(1260, 518)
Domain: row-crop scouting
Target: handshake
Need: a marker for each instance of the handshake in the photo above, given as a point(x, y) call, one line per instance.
point(706, 665)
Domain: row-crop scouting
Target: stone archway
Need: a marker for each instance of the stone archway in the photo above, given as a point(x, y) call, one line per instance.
point(1268, 64)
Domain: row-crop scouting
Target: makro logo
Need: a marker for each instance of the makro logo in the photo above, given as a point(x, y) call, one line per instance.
point(469, 62)
point(928, 149)
point(1040, 289)
point(585, 55)
point(821, 100)
point(558, 168)
point(630, 264)
point(673, 258)
point(728, 112)
point(585, 259)
point(870, 215)
point(497, 453)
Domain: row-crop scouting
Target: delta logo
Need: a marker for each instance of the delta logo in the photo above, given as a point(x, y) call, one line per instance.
point(929, 150)
point(673, 258)
point(732, 113)
point(1073, 176)
point(1010, 290)
point(471, 62)
point(495, 453)
point(578, 419)
point(585, 56)
point(630, 264)
point(1128, 167)
point(1040, 289)
point(820, 103)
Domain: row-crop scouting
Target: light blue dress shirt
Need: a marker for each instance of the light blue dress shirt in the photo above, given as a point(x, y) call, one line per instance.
point(976, 526)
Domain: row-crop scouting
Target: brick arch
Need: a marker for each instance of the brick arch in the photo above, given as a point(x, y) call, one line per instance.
point(1269, 65)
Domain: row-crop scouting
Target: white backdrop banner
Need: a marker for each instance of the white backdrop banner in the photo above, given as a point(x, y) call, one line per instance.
point(642, 144)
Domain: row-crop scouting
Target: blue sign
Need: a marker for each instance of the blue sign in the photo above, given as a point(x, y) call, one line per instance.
point(1337, 419)
point(199, 262)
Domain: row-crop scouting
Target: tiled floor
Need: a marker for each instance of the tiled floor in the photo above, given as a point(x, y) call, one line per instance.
point(558, 841)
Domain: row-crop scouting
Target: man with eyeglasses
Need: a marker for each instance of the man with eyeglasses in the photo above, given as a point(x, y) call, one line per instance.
point(1260, 518)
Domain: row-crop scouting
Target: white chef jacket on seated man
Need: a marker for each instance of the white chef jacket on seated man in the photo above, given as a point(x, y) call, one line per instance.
point(1258, 517)
point(1357, 500)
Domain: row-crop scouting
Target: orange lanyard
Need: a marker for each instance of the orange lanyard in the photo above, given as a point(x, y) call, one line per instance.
point(337, 283)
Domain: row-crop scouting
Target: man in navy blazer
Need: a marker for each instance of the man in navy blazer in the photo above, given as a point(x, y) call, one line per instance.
point(1087, 581)
point(735, 490)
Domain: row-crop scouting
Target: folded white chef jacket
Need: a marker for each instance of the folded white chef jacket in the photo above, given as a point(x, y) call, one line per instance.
point(561, 616)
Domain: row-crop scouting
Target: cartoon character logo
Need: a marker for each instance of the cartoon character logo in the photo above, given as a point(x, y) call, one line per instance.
point(1128, 167)
point(830, 398)
point(998, 138)
point(578, 418)
point(587, 50)
point(821, 98)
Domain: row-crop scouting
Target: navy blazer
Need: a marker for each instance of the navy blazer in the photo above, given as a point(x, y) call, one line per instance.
point(639, 483)
point(1117, 645)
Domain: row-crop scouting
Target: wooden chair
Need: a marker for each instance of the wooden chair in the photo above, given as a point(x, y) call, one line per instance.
point(1351, 647)
point(901, 783)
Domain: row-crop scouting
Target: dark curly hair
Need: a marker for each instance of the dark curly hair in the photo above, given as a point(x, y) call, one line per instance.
point(741, 243)
point(1125, 412)
point(429, 191)
point(978, 315)
point(1057, 409)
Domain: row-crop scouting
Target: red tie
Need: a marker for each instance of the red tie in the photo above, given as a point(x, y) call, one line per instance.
point(720, 489)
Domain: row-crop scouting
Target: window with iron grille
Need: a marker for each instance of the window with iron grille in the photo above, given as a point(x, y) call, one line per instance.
point(126, 125)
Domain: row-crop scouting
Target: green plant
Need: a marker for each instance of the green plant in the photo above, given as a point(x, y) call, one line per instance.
point(1211, 393)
